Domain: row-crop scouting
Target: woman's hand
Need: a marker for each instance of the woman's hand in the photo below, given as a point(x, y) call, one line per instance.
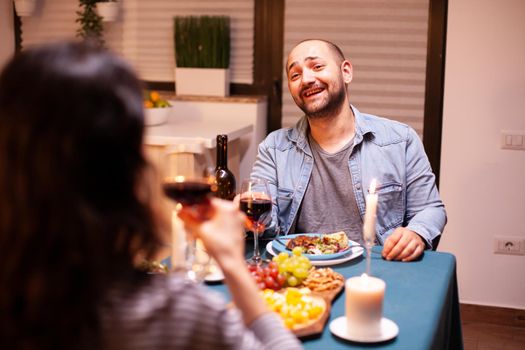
point(222, 234)
point(223, 238)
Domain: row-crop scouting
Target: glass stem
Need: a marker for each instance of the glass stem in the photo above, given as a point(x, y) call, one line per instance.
point(256, 255)
point(190, 254)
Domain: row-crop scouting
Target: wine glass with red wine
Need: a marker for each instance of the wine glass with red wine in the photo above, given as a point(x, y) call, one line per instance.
point(256, 203)
point(189, 183)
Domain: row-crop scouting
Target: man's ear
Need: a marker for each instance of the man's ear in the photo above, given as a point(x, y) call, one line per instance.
point(347, 70)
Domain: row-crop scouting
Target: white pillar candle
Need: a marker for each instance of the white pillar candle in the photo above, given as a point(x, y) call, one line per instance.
point(364, 304)
point(369, 225)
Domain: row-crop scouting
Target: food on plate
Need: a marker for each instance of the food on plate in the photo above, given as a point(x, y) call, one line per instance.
point(320, 244)
point(297, 307)
point(295, 267)
point(268, 277)
point(322, 280)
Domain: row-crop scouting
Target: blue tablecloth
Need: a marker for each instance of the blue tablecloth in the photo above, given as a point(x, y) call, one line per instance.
point(421, 297)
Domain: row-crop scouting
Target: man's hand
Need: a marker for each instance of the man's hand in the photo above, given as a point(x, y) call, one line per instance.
point(403, 244)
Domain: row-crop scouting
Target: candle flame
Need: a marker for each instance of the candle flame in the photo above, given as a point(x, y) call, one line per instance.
point(173, 179)
point(373, 186)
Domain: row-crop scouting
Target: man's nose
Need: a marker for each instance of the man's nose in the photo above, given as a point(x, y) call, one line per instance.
point(308, 76)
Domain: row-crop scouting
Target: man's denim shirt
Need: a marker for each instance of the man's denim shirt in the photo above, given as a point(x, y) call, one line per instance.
point(386, 150)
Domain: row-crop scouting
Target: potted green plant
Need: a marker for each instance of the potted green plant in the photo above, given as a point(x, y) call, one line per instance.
point(202, 54)
point(90, 22)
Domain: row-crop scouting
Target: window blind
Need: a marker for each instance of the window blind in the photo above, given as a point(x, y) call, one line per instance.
point(144, 35)
point(56, 21)
point(148, 35)
point(386, 41)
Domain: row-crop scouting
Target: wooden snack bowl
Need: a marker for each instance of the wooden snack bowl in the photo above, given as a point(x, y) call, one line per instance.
point(330, 294)
point(315, 326)
point(318, 325)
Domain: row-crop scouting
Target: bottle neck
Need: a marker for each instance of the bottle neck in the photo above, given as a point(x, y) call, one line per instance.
point(222, 152)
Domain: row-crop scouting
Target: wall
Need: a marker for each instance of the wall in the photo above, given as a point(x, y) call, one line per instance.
point(143, 33)
point(483, 186)
point(7, 35)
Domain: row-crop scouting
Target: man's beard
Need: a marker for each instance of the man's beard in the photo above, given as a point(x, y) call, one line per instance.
point(331, 108)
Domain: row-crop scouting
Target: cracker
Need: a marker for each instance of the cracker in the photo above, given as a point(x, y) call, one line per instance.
point(323, 279)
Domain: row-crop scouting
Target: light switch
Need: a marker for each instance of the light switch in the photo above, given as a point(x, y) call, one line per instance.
point(517, 140)
point(513, 139)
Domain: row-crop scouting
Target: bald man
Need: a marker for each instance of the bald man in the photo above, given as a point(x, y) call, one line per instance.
point(319, 171)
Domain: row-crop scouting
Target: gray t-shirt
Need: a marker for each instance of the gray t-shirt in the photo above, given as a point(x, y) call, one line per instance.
point(329, 204)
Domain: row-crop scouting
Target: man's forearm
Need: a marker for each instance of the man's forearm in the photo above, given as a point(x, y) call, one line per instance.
point(429, 223)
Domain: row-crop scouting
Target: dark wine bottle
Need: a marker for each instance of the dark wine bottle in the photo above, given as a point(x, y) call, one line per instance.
point(224, 177)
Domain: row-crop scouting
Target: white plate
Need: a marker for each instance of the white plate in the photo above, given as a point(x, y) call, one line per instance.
point(279, 245)
point(352, 254)
point(214, 277)
point(388, 330)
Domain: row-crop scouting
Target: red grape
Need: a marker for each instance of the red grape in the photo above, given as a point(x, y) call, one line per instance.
point(269, 282)
point(281, 279)
point(268, 276)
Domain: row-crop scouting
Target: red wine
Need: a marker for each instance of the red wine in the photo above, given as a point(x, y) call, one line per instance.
point(255, 208)
point(188, 192)
point(223, 176)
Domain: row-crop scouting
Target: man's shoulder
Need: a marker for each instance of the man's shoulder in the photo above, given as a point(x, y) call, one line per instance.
point(386, 131)
point(278, 138)
point(285, 138)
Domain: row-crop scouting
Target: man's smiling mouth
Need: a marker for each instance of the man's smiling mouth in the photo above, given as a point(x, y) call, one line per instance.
point(312, 91)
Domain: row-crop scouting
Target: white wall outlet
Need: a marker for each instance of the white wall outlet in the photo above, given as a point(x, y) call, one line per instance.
point(509, 245)
point(512, 139)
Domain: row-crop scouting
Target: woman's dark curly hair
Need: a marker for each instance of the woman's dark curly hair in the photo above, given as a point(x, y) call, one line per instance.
point(74, 204)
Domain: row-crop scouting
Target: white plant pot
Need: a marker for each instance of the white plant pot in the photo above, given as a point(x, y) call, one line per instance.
point(202, 81)
point(109, 11)
point(25, 7)
point(157, 116)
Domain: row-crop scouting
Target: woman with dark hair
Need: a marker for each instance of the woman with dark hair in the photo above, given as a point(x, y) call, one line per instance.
point(77, 210)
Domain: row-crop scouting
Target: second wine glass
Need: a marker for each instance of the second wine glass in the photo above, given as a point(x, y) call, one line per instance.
point(256, 203)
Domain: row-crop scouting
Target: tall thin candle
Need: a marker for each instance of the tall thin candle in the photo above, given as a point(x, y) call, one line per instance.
point(369, 226)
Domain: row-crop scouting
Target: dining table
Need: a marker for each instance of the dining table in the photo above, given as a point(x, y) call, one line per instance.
point(421, 297)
